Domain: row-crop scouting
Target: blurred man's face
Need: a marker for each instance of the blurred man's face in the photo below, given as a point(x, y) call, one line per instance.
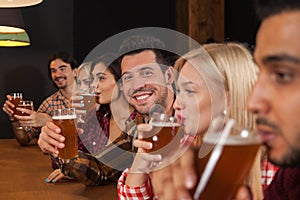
point(276, 95)
point(143, 82)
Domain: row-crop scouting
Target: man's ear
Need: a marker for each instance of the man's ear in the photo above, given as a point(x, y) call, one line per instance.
point(170, 75)
point(75, 72)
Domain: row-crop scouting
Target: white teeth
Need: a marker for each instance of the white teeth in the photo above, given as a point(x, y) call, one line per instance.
point(142, 97)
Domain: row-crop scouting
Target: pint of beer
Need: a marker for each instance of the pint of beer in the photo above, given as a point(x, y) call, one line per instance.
point(88, 101)
point(164, 136)
point(238, 152)
point(16, 98)
point(65, 119)
point(24, 104)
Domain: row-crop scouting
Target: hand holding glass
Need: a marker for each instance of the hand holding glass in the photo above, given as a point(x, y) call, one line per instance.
point(164, 136)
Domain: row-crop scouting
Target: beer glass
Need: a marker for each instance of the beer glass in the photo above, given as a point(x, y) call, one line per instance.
point(164, 136)
point(27, 105)
point(87, 103)
point(16, 98)
point(225, 159)
point(24, 104)
point(65, 120)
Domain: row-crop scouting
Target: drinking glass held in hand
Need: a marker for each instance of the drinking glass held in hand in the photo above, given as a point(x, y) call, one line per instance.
point(25, 104)
point(225, 159)
point(65, 119)
point(165, 136)
point(16, 98)
point(85, 102)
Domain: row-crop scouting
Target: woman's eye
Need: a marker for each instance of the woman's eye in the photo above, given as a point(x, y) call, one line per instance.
point(189, 91)
point(100, 78)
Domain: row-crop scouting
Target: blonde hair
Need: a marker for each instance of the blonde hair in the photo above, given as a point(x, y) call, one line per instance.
point(231, 66)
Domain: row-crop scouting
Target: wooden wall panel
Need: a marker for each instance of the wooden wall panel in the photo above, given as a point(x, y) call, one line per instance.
point(201, 19)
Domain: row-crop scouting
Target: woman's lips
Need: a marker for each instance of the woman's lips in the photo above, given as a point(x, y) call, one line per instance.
point(180, 119)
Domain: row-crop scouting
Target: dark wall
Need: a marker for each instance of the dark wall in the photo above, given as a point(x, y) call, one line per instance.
point(240, 21)
point(24, 69)
point(98, 20)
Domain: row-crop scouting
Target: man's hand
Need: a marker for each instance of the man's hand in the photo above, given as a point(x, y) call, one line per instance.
point(8, 105)
point(35, 119)
point(50, 139)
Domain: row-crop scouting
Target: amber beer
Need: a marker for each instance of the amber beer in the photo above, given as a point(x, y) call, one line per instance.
point(164, 136)
point(16, 98)
point(66, 122)
point(88, 101)
point(231, 169)
point(24, 104)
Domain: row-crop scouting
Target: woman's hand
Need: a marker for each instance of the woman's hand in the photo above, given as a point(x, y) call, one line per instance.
point(50, 139)
point(55, 176)
point(138, 173)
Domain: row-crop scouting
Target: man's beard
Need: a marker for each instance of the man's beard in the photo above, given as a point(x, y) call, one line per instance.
point(62, 86)
point(290, 159)
point(161, 100)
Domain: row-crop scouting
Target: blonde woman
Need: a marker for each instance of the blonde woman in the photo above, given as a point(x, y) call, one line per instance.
point(217, 78)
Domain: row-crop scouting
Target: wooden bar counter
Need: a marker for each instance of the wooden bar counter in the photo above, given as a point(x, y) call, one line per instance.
point(24, 168)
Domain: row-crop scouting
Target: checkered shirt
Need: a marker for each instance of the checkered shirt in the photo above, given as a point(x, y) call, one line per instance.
point(268, 171)
point(134, 193)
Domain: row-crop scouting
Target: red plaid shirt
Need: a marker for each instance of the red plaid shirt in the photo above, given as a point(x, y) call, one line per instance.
point(137, 193)
point(268, 171)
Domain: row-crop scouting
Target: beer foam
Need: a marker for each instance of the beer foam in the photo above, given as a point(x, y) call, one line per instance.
point(212, 138)
point(164, 124)
point(64, 117)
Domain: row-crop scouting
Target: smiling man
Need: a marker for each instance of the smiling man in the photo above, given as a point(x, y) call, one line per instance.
point(146, 82)
point(62, 70)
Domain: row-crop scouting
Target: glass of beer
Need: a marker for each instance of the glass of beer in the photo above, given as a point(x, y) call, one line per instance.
point(225, 159)
point(88, 101)
point(24, 104)
point(165, 134)
point(84, 105)
point(27, 105)
point(16, 98)
point(65, 119)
